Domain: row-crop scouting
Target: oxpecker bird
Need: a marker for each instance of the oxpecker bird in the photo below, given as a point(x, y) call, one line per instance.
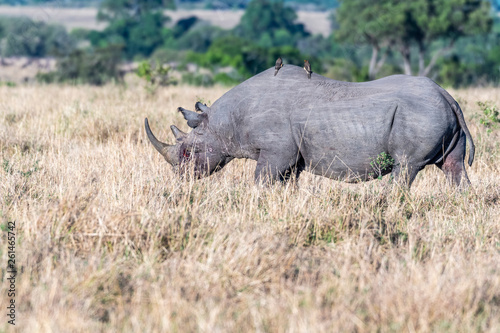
point(307, 67)
point(279, 64)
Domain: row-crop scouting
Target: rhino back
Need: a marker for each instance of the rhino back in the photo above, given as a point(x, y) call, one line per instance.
point(337, 126)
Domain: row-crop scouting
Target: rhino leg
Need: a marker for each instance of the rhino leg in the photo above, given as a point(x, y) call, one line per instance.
point(453, 164)
point(273, 166)
point(404, 173)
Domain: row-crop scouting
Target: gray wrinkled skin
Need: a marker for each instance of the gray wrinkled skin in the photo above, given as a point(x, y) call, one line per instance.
point(289, 123)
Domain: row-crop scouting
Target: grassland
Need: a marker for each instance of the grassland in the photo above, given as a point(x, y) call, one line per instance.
point(110, 239)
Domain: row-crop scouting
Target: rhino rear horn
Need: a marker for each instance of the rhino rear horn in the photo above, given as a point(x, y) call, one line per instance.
point(193, 119)
point(199, 106)
point(179, 135)
point(169, 152)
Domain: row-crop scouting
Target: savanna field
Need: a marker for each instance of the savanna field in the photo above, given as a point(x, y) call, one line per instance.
point(109, 238)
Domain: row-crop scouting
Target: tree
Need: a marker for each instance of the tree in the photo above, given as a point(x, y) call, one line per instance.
point(445, 20)
point(137, 25)
point(367, 21)
point(111, 10)
point(91, 66)
point(36, 39)
point(428, 25)
point(266, 21)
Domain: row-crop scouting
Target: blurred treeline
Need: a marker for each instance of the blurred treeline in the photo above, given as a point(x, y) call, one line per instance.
point(455, 42)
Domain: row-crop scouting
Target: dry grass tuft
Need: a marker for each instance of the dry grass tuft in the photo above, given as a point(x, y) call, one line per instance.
point(109, 238)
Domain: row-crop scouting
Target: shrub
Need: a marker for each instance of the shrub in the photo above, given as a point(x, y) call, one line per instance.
point(26, 37)
point(490, 115)
point(154, 75)
point(93, 66)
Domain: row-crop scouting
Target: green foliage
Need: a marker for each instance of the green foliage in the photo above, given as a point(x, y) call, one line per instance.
point(382, 163)
point(226, 4)
point(346, 70)
point(245, 57)
point(112, 10)
point(8, 84)
point(365, 21)
point(476, 60)
point(138, 36)
point(313, 4)
point(154, 75)
point(92, 66)
point(392, 32)
point(270, 23)
point(25, 37)
point(197, 39)
point(400, 25)
point(32, 170)
point(197, 79)
point(137, 25)
point(490, 115)
point(183, 25)
point(6, 167)
point(225, 79)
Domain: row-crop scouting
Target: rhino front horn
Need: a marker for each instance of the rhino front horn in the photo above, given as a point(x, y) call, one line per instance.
point(169, 152)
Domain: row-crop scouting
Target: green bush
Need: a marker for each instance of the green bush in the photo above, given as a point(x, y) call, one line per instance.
point(138, 36)
point(226, 79)
point(270, 23)
point(93, 66)
point(155, 75)
point(196, 79)
point(245, 57)
point(490, 117)
point(25, 37)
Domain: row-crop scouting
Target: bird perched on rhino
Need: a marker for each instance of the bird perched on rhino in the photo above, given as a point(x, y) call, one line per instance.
point(307, 68)
point(279, 64)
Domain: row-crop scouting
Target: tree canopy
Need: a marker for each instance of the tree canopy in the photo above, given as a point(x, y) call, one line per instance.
point(431, 26)
point(137, 25)
point(270, 23)
point(111, 10)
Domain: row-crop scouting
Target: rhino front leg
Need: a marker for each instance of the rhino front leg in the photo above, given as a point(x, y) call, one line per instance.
point(275, 166)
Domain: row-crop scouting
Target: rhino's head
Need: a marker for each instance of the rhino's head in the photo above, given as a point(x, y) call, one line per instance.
point(200, 150)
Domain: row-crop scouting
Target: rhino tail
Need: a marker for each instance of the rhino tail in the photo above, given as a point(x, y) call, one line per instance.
point(460, 116)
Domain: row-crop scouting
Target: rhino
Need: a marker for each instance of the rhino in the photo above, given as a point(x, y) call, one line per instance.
point(342, 130)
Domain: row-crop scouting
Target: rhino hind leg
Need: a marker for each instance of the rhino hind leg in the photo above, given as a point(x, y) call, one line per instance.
point(404, 173)
point(453, 165)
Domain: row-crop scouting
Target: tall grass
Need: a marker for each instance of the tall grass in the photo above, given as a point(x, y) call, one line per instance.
point(109, 238)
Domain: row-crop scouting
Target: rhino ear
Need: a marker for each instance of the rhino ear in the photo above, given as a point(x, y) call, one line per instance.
point(199, 106)
point(193, 119)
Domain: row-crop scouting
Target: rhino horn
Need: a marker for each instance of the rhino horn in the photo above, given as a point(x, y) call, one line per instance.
point(193, 119)
point(169, 152)
point(179, 135)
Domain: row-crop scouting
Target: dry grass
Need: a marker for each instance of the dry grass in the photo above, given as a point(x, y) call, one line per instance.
point(109, 238)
